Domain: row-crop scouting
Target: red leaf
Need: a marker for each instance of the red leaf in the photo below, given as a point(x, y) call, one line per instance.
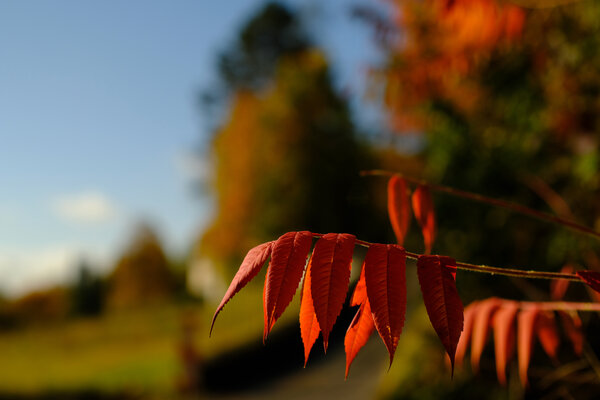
point(252, 264)
point(288, 259)
point(437, 276)
point(504, 336)
point(483, 319)
point(526, 323)
point(547, 333)
point(398, 207)
point(331, 263)
point(358, 333)
point(558, 287)
point(422, 203)
point(572, 326)
point(385, 276)
point(309, 326)
point(592, 279)
point(360, 291)
point(465, 336)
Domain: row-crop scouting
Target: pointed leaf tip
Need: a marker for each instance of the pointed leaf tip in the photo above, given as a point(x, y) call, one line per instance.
point(250, 267)
point(358, 333)
point(465, 336)
point(437, 276)
point(525, 330)
point(385, 277)
point(288, 259)
point(330, 276)
point(504, 336)
point(309, 326)
point(482, 323)
point(558, 287)
point(547, 333)
point(360, 290)
point(398, 207)
point(423, 209)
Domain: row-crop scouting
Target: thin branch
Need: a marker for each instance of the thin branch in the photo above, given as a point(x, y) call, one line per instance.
point(486, 269)
point(559, 306)
point(519, 273)
point(494, 202)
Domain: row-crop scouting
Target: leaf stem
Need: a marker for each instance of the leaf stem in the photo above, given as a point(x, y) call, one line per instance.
point(491, 201)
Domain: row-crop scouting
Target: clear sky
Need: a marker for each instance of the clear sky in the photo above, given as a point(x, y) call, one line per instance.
point(99, 119)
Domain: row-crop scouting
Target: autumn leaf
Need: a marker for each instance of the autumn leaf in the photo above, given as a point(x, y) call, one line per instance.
point(358, 333)
point(437, 275)
point(592, 278)
point(526, 324)
point(572, 326)
point(558, 287)
point(422, 203)
point(309, 326)
point(465, 336)
point(360, 290)
point(385, 276)
point(481, 325)
point(288, 259)
point(398, 207)
point(362, 324)
point(504, 336)
point(252, 264)
point(330, 275)
point(547, 333)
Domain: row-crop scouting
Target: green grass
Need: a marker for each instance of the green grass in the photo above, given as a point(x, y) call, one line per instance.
point(133, 351)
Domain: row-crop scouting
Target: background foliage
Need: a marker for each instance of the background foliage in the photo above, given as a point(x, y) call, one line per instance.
point(505, 99)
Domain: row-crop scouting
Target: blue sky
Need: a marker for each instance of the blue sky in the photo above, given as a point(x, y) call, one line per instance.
point(99, 119)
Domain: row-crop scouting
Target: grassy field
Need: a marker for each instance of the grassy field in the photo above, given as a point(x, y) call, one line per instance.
point(132, 351)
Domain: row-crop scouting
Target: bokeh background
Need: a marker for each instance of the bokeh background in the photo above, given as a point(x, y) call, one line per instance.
point(146, 146)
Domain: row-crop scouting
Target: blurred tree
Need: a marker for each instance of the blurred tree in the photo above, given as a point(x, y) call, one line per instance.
point(142, 274)
point(250, 61)
point(286, 156)
point(39, 306)
point(272, 33)
point(88, 292)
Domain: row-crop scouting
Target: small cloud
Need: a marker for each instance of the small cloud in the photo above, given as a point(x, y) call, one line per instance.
point(86, 207)
point(29, 268)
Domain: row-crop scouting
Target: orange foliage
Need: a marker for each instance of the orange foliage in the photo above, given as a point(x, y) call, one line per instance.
point(442, 42)
point(236, 175)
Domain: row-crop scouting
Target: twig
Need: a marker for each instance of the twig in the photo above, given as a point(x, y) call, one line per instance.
point(494, 202)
